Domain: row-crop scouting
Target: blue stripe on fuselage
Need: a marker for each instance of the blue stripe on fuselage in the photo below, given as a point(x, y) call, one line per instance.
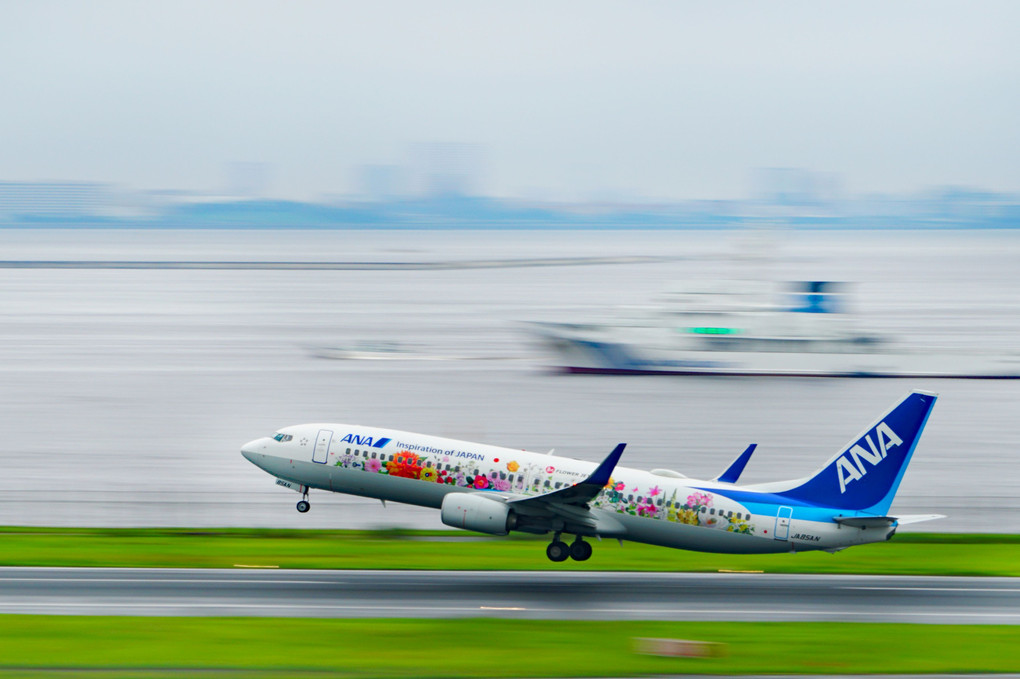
point(766, 504)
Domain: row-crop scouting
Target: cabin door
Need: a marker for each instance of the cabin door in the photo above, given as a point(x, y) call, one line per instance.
point(783, 517)
point(322, 441)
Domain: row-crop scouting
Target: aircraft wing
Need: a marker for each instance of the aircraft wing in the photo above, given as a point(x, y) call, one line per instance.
point(581, 493)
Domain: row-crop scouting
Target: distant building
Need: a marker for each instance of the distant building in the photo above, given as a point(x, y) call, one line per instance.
point(795, 187)
point(446, 169)
point(382, 183)
point(54, 200)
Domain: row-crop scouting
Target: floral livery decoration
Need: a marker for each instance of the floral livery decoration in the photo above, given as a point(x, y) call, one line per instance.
point(405, 464)
point(410, 465)
point(694, 511)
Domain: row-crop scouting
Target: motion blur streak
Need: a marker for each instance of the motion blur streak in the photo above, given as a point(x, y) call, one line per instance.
point(126, 393)
point(542, 595)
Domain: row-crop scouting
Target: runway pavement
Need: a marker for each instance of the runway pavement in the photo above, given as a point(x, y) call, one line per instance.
point(506, 594)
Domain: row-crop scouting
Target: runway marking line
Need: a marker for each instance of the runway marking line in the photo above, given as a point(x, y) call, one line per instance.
point(502, 608)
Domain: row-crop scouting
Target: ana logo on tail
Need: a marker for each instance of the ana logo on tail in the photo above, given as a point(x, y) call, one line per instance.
point(850, 465)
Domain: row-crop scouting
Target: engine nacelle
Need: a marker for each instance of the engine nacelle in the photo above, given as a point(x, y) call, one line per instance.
point(474, 511)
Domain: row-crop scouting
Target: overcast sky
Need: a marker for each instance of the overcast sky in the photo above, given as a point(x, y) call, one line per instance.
point(564, 100)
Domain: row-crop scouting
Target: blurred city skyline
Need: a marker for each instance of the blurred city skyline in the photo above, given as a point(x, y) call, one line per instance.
point(438, 189)
point(567, 102)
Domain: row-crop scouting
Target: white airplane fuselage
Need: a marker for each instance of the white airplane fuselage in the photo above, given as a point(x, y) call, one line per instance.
point(660, 507)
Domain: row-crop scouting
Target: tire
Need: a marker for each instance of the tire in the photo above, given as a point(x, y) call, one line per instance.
point(303, 506)
point(557, 551)
point(580, 550)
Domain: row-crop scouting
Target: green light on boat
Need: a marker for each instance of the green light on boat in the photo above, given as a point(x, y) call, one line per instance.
point(714, 331)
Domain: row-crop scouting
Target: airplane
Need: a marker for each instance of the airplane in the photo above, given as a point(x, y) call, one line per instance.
point(497, 490)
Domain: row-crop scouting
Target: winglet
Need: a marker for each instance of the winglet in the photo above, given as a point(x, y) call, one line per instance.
point(584, 491)
point(600, 477)
point(735, 469)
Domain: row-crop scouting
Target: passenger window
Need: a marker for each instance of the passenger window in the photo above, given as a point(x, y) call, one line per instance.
point(712, 511)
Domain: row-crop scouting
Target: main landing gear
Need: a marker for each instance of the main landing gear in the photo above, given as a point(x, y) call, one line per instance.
point(303, 505)
point(578, 550)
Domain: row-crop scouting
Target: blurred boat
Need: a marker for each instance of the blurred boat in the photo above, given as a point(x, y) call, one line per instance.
point(379, 351)
point(753, 328)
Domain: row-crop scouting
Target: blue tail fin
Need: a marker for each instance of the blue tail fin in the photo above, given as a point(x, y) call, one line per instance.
point(864, 476)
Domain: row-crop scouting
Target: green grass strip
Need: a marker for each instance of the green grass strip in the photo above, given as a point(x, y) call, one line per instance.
point(111, 646)
point(909, 554)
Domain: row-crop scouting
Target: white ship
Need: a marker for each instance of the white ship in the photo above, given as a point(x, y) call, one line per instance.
point(750, 328)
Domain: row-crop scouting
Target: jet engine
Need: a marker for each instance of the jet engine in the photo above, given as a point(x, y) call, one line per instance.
point(474, 511)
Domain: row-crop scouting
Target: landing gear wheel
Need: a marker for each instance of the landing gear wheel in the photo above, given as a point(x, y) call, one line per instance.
point(580, 550)
point(303, 506)
point(557, 551)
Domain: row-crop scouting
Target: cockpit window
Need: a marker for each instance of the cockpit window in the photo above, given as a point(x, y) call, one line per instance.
point(283, 437)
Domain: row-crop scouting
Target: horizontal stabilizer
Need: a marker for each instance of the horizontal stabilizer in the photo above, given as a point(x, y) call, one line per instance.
point(918, 518)
point(885, 521)
point(734, 471)
point(866, 521)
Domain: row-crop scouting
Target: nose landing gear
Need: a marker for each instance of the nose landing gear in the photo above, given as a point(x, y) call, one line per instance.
point(303, 505)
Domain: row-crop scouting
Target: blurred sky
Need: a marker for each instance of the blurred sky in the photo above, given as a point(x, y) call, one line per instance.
point(564, 100)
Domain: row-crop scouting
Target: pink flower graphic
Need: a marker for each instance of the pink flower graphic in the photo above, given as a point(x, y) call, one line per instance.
point(501, 484)
point(699, 500)
point(373, 465)
point(620, 487)
point(481, 482)
point(654, 491)
point(550, 470)
point(646, 510)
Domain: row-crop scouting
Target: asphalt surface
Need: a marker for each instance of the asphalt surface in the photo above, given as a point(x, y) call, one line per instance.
point(506, 594)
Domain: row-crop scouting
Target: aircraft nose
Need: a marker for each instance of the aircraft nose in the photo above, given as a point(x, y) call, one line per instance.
point(253, 448)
